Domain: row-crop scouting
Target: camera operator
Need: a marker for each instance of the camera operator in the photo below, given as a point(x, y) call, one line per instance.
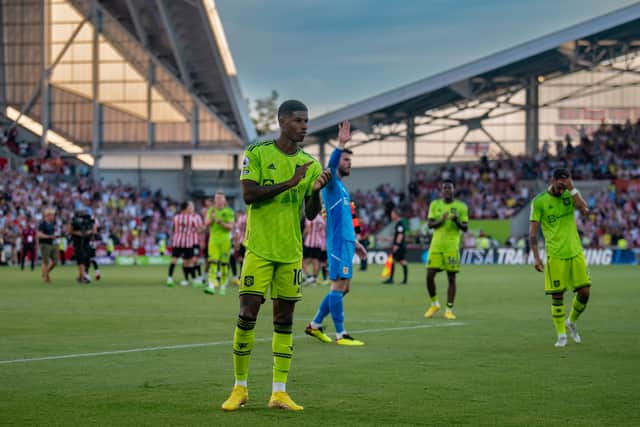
point(81, 232)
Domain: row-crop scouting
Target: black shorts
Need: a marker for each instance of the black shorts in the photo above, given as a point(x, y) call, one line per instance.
point(82, 253)
point(29, 248)
point(241, 251)
point(400, 254)
point(184, 253)
point(310, 252)
point(323, 256)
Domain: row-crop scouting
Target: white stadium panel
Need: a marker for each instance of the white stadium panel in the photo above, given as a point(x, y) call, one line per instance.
point(211, 162)
point(150, 161)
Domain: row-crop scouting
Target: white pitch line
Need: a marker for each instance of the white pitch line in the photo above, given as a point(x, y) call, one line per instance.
point(208, 344)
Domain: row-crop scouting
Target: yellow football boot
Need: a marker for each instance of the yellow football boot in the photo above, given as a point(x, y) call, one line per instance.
point(281, 400)
point(239, 396)
point(317, 333)
point(433, 309)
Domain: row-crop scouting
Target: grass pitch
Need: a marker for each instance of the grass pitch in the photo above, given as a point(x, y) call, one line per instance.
point(130, 351)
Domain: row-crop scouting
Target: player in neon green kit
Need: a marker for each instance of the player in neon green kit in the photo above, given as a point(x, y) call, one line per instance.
point(566, 267)
point(277, 178)
point(447, 216)
point(220, 220)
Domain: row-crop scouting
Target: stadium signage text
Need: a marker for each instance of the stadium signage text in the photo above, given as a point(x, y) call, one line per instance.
point(511, 256)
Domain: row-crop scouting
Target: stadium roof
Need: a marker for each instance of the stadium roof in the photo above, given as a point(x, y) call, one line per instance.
point(580, 47)
point(187, 36)
point(100, 78)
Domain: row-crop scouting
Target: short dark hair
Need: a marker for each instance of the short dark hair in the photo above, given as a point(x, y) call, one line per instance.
point(291, 106)
point(448, 181)
point(346, 150)
point(561, 173)
point(183, 205)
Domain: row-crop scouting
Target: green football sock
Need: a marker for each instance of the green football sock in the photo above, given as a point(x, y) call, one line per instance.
point(282, 346)
point(224, 273)
point(557, 314)
point(213, 273)
point(434, 299)
point(576, 308)
point(243, 338)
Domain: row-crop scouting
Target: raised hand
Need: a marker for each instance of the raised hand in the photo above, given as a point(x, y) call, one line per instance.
point(344, 132)
point(567, 183)
point(322, 180)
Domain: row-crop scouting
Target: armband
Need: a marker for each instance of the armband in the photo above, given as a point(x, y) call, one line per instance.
point(574, 191)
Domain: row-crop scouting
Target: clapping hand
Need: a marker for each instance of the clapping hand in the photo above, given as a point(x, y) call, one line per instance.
point(322, 180)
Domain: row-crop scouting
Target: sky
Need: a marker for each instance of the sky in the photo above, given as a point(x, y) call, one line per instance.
point(332, 53)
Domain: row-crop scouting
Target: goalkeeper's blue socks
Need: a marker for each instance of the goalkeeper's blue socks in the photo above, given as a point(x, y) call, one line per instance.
point(337, 310)
point(323, 310)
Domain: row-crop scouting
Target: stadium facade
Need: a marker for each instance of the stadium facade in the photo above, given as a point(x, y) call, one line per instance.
point(146, 92)
point(142, 91)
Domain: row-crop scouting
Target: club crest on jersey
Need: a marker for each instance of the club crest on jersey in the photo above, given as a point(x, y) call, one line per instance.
point(248, 281)
point(566, 201)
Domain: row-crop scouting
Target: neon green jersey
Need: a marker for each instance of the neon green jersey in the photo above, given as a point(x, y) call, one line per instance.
point(217, 233)
point(273, 226)
point(446, 238)
point(557, 220)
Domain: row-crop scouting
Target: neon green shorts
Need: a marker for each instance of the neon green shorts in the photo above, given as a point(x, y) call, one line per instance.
point(282, 279)
point(219, 251)
point(447, 261)
point(563, 274)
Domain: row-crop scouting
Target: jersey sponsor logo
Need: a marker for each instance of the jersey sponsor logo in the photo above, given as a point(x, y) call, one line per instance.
point(248, 281)
point(245, 171)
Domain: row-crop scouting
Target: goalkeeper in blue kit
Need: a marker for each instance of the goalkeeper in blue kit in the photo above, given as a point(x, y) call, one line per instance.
point(341, 244)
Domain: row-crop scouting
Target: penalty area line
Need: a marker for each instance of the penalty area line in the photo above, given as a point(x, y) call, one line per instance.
point(209, 344)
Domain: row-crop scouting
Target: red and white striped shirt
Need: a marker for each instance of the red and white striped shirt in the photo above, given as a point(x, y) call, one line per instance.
point(241, 227)
point(186, 228)
point(316, 237)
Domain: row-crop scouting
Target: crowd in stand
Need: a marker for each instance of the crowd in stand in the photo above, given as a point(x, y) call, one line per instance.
point(127, 216)
point(499, 188)
point(491, 188)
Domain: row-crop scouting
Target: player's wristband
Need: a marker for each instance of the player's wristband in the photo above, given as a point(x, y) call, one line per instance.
point(574, 191)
